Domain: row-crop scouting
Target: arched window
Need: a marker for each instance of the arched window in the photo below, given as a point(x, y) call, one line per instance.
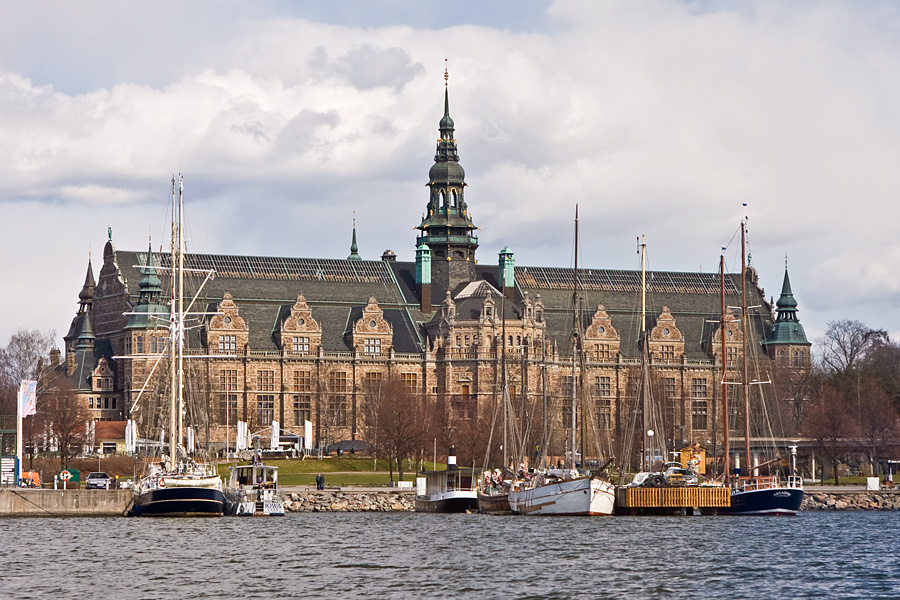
point(510, 341)
point(464, 391)
point(140, 344)
point(458, 340)
point(518, 340)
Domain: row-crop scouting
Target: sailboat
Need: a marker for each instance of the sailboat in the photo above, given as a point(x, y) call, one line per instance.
point(493, 489)
point(752, 494)
point(565, 491)
point(177, 485)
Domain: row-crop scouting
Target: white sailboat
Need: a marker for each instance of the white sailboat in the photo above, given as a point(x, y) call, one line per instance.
point(565, 491)
point(178, 485)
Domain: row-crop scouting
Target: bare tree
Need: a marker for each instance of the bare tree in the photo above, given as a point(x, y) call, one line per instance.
point(19, 360)
point(67, 419)
point(401, 423)
point(830, 423)
point(846, 344)
point(877, 422)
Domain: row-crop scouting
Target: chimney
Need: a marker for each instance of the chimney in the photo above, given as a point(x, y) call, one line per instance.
point(423, 277)
point(54, 357)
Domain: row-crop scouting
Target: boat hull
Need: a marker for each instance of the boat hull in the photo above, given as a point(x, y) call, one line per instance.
point(450, 502)
point(494, 504)
point(180, 502)
point(584, 496)
point(780, 501)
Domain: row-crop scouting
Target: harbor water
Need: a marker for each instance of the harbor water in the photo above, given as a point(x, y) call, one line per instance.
point(410, 555)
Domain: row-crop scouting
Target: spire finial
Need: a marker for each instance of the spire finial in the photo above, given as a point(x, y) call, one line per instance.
point(109, 231)
point(446, 74)
point(354, 249)
point(785, 261)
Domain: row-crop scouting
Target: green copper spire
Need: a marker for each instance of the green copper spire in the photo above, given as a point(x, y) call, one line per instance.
point(354, 249)
point(787, 328)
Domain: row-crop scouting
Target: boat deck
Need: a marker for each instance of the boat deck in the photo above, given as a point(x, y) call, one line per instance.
point(671, 500)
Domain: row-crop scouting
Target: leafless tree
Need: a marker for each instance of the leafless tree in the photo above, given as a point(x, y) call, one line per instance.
point(846, 344)
point(401, 423)
point(66, 418)
point(19, 360)
point(877, 422)
point(830, 423)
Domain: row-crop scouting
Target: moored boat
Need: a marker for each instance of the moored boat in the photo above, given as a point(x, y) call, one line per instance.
point(452, 490)
point(177, 485)
point(252, 490)
point(562, 492)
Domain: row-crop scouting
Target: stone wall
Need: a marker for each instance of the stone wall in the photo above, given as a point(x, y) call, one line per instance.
point(337, 501)
point(851, 501)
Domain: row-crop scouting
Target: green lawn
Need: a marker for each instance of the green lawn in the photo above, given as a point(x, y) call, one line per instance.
point(337, 471)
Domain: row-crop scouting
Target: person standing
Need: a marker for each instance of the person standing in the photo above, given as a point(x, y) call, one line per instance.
point(320, 482)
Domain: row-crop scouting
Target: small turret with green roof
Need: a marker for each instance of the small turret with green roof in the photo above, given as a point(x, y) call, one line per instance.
point(786, 341)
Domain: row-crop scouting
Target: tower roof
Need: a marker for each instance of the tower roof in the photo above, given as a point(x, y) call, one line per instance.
point(354, 249)
point(787, 328)
point(86, 296)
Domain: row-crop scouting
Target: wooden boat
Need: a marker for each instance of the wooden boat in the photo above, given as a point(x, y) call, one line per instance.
point(753, 494)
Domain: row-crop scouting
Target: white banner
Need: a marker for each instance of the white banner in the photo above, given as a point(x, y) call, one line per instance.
point(276, 436)
point(28, 397)
point(307, 435)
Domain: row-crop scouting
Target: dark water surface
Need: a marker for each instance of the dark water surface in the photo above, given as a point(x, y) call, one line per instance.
point(409, 555)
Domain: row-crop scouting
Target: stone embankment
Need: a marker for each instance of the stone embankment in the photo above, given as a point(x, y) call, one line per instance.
point(851, 501)
point(337, 501)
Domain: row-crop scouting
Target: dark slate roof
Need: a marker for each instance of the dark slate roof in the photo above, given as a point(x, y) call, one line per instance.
point(264, 288)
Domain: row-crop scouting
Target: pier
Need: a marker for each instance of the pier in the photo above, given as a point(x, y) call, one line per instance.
point(671, 500)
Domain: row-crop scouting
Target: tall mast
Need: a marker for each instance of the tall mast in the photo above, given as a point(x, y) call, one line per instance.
point(572, 418)
point(504, 394)
point(746, 369)
point(173, 334)
point(725, 465)
point(646, 461)
point(180, 309)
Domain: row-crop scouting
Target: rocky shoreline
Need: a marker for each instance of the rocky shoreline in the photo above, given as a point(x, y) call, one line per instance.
point(327, 501)
point(394, 501)
point(851, 501)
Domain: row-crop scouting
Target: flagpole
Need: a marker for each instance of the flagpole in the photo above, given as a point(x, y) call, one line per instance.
point(20, 399)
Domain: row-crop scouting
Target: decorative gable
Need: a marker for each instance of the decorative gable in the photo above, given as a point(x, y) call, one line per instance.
point(666, 340)
point(300, 334)
point(734, 338)
point(372, 334)
point(601, 339)
point(227, 332)
point(102, 377)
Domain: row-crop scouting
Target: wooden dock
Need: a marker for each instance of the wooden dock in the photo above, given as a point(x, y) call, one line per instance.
point(671, 500)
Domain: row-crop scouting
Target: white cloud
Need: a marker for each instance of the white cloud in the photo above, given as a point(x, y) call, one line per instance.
point(659, 118)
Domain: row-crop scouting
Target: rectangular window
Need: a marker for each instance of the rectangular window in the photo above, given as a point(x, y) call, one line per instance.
point(667, 353)
point(265, 381)
point(302, 409)
point(337, 381)
point(699, 413)
point(603, 407)
point(698, 388)
point(410, 380)
point(227, 343)
point(669, 387)
point(91, 402)
point(731, 354)
point(372, 346)
point(228, 408)
point(602, 386)
point(228, 380)
point(139, 346)
point(112, 402)
point(337, 411)
point(604, 351)
point(265, 409)
point(106, 402)
point(302, 381)
point(300, 345)
point(565, 386)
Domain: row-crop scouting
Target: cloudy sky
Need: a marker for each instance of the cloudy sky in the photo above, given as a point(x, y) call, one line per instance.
point(659, 118)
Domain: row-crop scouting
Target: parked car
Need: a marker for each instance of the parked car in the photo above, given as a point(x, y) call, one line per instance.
point(97, 480)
